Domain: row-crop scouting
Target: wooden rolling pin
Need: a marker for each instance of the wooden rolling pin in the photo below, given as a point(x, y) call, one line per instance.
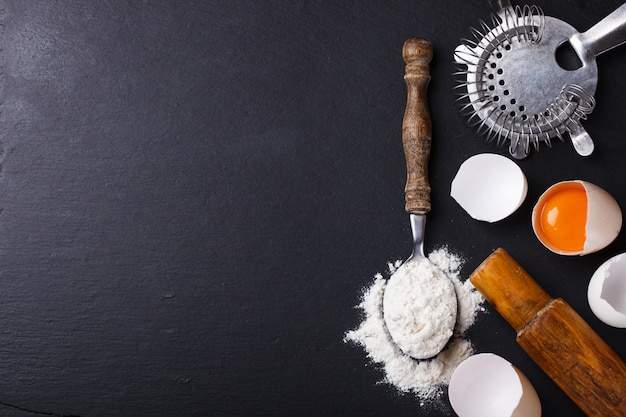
point(555, 337)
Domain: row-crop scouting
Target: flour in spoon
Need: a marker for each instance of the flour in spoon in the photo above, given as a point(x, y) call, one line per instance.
point(427, 379)
point(420, 308)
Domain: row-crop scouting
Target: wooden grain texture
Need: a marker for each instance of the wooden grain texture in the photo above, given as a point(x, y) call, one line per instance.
point(559, 340)
point(518, 299)
point(577, 360)
point(417, 126)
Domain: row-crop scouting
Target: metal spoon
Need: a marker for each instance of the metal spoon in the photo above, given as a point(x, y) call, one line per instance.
point(419, 304)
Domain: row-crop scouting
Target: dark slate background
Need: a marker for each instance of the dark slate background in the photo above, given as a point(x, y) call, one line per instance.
point(194, 194)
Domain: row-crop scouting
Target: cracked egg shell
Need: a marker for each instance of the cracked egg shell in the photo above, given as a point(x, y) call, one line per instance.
point(489, 187)
point(576, 218)
point(607, 292)
point(487, 385)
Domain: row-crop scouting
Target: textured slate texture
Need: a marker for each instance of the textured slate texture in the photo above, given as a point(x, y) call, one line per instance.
point(194, 193)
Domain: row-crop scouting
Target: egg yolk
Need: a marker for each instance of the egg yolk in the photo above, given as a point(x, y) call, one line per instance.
point(563, 218)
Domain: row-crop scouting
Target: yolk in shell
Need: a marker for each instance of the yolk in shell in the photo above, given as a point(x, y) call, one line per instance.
point(563, 218)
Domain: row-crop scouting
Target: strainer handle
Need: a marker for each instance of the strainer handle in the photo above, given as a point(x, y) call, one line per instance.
point(603, 36)
point(416, 125)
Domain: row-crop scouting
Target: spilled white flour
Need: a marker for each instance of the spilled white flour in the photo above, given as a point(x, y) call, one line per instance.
point(425, 378)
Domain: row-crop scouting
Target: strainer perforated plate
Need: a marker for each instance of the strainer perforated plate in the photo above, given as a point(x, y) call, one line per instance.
point(512, 87)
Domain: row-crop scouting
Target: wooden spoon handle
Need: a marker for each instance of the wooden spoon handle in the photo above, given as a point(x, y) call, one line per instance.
point(416, 126)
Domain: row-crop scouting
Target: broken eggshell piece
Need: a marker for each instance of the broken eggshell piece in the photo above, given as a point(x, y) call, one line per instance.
point(489, 187)
point(487, 385)
point(607, 292)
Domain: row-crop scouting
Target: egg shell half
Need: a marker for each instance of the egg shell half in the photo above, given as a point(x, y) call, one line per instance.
point(489, 187)
point(604, 218)
point(487, 385)
point(607, 292)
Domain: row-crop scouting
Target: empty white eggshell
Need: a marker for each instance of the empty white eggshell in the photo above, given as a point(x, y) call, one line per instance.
point(487, 385)
point(489, 187)
point(607, 292)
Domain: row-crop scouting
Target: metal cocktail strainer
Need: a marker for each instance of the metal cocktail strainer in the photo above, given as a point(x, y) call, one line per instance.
point(512, 87)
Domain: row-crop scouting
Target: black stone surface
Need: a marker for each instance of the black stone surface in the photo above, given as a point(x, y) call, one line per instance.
point(194, 194)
